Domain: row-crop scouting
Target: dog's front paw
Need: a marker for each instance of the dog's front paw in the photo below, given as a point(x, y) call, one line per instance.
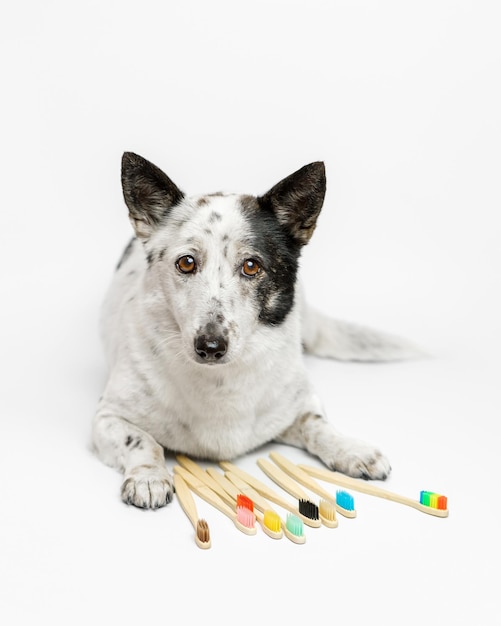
point(148, 487)
point(360, 460)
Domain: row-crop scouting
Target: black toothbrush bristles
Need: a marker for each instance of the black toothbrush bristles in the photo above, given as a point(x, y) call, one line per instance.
point(309, 509)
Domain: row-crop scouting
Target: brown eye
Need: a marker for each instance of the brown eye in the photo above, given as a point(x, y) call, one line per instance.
point(250, 267)
point(186, 264)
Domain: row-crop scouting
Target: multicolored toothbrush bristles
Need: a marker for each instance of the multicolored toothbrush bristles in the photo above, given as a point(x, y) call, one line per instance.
point(203, 534)
point(433, 500)
point(294, 528)
point(327, 512)
point(309, 509)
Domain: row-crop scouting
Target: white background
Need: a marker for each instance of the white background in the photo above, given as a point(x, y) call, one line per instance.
point(402, 102)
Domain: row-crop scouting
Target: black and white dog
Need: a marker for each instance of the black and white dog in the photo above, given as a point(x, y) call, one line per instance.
point(204, 328)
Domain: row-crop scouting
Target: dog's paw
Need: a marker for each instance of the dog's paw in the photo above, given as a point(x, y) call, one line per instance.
point(148, 487)
point(360, 460)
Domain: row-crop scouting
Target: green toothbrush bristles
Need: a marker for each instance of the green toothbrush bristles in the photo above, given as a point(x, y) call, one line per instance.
point(294, 525)
point(433, 500)
point(345, 500)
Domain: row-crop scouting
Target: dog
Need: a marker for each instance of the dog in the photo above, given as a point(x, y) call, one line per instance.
point(204, 327)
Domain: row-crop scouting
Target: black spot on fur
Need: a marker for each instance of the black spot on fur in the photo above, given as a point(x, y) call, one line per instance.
point(161, 254)
point(150, 258)
point(215, 217)
point(128, 441)
point(279, 252)
point(126, 253)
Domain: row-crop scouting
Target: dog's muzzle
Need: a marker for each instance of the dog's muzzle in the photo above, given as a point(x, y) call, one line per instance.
point(211, 348)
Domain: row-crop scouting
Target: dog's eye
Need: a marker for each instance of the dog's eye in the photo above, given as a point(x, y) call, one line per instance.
point(250, 267)
point(186, 264)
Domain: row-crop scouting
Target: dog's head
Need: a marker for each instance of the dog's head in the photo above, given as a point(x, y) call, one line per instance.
point(226, 264)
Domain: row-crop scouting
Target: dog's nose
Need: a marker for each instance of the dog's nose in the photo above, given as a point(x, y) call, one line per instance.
point(211, 347)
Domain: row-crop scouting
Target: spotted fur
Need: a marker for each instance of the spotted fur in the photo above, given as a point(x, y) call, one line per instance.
point(204, 328)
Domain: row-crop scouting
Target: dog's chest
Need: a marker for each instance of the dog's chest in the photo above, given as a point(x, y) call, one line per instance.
point(225, 418)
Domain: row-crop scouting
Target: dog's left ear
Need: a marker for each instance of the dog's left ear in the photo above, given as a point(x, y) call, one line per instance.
point(297, 200)
point(148, 193)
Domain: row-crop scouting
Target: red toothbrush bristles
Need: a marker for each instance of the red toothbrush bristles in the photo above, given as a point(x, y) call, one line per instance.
point(245, 501)
point(442, 502)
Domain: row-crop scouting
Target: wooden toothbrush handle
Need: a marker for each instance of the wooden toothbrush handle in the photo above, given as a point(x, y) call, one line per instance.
point(301, 476)
point(260, 487)
point(223, 482)
point(203, 476)
point(282, 479)
point(370, 489)
point(186, 499)
point(243, 487)
point(204, 492)
point(357, 485)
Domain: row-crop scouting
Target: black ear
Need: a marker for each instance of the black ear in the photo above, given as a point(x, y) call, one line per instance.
point(148, 193)
point(297, 200)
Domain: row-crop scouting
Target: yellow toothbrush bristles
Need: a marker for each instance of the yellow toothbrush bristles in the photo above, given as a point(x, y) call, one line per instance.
point(272, 521)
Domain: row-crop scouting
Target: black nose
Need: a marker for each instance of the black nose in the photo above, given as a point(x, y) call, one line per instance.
point(210, 347)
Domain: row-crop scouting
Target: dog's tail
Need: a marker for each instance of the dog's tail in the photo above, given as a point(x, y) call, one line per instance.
point(326, 337)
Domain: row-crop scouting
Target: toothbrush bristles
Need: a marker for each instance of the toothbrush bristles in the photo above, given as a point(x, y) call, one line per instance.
point(294, 525)
point(272, 521)
point(203, 532)
point(345, 500)
point(245, 501)
point(327, 510)
point(309, 509)
point(433, 500)
point(246, 517)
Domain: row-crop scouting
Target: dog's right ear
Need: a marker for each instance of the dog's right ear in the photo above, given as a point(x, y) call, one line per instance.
point(148, 193)
point(297, 200)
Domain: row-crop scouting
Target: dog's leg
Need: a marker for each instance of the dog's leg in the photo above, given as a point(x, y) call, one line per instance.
point(124, 446)
point(335, 339)
point(312, 432)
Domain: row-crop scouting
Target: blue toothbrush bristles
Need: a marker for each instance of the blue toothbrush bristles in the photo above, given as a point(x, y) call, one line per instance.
point(345, 500)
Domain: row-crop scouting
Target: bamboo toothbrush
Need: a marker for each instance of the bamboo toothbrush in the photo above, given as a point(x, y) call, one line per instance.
point(202, 533)
point(268, 519)
point(430, 503)
point(293, 530)
point(269, 494)
point(269, 524)
point(307, 481)
point(205, 477)
point(326, 512)
point(242, 518)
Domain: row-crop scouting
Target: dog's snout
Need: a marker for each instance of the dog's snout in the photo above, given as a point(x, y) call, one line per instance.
point(211, 347)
